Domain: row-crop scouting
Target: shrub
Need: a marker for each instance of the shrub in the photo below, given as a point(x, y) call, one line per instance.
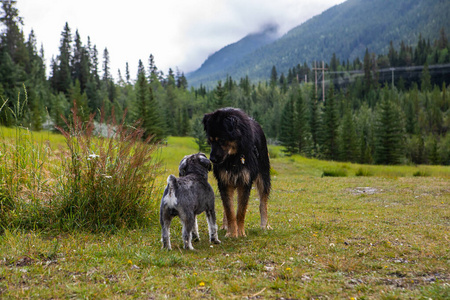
point(335, 172)
point(421, 173)
point(363, 172)
point(107, 182)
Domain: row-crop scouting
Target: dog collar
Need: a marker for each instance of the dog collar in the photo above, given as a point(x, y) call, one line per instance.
point(243, 159)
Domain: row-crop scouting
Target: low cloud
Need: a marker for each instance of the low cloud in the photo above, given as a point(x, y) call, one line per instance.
point(178, 33)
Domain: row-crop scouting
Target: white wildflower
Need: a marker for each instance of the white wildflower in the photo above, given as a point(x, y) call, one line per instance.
point(92, 156)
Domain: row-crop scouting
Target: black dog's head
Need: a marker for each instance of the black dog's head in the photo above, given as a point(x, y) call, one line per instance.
point(223, 133)
point(194, 164)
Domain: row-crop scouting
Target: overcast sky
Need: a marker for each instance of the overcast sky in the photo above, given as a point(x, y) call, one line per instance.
point(179, 33)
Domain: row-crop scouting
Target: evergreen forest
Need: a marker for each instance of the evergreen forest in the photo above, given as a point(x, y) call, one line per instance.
point(361, 113)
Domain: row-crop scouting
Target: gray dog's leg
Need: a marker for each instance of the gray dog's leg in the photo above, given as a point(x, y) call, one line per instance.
point(195, 235)
point(188, 227)
point(212, 226)
point(165, 233)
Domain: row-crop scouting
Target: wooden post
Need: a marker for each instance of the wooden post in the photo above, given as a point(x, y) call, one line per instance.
point(323, 78)
point(323, 81)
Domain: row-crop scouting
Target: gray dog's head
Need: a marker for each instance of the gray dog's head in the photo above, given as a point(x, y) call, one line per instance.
point(194, 164)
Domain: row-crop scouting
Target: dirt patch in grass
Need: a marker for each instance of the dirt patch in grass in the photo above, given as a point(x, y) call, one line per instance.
point(365, 190)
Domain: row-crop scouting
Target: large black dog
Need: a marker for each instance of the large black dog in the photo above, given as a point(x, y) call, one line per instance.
point(240, 157)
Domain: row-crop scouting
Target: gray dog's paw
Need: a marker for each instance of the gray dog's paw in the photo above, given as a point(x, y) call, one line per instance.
point(217, 241)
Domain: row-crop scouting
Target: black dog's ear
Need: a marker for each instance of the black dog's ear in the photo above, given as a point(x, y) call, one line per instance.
point(205, 120)
point(182, 167)
point(230, 124)
point(204, 161)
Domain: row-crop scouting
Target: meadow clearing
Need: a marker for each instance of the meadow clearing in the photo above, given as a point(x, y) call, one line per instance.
point(360, 232)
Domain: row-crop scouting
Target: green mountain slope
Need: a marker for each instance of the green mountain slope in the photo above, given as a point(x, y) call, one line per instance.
point(231, 54)
point(346, 29)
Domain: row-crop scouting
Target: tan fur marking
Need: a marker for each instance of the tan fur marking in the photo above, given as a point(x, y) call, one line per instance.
point(232, 147)
point(242, 178)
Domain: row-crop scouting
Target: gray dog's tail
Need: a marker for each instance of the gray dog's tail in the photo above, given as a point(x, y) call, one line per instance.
point(170, 199)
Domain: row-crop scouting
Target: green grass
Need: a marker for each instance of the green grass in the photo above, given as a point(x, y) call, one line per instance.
point(383, 236)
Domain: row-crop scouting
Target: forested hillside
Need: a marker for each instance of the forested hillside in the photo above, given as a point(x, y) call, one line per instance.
point(345, 30)
point(368, 119)
point(231, 54)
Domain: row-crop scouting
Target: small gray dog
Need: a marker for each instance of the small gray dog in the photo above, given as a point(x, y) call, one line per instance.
point(186, 197)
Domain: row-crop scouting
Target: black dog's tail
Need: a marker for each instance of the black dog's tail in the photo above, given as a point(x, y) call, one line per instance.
point(170, 198)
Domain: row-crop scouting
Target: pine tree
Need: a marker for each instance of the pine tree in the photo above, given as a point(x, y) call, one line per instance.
point(181, 81)
point(146, 107)
point(79, 99)
point(273, 77)
point(348, 147)
point(106, 68)
point(63, 75)
point(330, 127)
point(367, 72)
point(170, 80)
point(220, 95)
point(94, 67)
point(301, 123)
point(13, 38)
point(288, 134)
point(141, 89)
point(153, 70)
point(154, 121)
point(108, 83)
point(392, 55)
point(9, 77)
point(80, 62)
point(425, 80)
point(364, 131)
point(389, 132)
point(127, 74)
point(199, 135)
point(185, 124)
point(314, 123)
point(283, 84)
point(36, 84)
point(59, 109)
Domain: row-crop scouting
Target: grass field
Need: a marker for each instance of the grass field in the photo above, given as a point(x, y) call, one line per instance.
point(359, 232)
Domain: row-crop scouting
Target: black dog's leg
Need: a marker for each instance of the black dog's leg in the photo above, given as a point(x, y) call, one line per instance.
point(263, 191)
point(226, 193)
point(212, 226)
point(224, 222)
point(243, 196)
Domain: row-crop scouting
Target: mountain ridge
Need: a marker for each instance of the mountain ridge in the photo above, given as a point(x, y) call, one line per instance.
point(346, 29)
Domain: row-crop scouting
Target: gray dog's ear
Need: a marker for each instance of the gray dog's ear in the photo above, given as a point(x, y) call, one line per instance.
point(182, 167)
point(204, 161)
